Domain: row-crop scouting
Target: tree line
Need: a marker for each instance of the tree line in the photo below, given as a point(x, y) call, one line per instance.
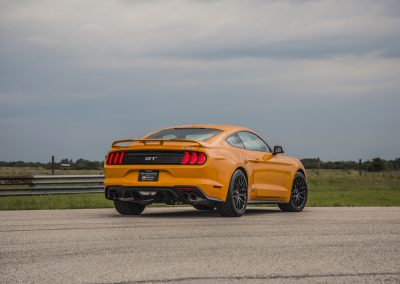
point(80, 164)
point(374, 165)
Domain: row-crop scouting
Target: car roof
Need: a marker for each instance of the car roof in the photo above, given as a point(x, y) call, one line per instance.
point(226, 130)
point(213, 126)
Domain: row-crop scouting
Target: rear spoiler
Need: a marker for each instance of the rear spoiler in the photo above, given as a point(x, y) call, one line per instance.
point(115, 144)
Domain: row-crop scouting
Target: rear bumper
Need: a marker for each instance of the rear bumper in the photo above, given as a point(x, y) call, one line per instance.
point(212, 178)
point(156, 194)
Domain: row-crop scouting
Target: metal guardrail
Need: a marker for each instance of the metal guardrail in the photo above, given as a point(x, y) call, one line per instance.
point(54, 184)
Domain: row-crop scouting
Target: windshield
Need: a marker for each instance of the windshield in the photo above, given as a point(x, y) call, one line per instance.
point(198, 134)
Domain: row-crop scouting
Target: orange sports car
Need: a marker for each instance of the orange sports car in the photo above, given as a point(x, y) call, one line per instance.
point(206, 166)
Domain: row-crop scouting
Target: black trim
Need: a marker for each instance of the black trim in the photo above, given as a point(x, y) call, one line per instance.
point(152, 157)
point(252, 202)
point(158, 194)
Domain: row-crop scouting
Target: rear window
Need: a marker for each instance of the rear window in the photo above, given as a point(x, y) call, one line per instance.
point(198, 134)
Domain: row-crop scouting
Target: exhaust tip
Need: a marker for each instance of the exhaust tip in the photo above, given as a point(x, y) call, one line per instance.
point(186, 195)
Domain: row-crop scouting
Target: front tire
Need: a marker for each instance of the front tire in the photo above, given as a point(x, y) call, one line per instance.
point(236, 201)
point(298, 195)
point(128, 208)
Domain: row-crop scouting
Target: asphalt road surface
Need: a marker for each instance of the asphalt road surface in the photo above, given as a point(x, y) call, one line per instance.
point(170, 245)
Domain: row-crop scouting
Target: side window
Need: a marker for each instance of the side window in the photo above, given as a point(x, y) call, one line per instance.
point(234, 141)
point(253, 142)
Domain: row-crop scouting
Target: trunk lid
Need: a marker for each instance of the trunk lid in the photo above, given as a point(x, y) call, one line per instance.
point(153, 151)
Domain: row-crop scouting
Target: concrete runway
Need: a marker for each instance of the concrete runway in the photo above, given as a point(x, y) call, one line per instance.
point(183, 245)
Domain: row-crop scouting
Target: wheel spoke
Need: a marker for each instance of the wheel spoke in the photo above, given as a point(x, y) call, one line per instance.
point(299, 192)
point(239, 192)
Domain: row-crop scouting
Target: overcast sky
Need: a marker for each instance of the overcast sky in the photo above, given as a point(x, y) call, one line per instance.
point(321, 78)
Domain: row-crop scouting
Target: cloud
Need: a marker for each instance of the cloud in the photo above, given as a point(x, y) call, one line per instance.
point(84, 73)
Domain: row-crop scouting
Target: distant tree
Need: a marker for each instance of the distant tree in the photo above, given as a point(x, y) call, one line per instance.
point(85, 164)
point(310, 163)
point(79, 164)
point(375, 165)
point(396, 164)
point(64, 161)
point(378, 165)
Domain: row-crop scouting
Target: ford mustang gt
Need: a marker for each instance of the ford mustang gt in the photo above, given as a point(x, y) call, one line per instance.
point(207, 166)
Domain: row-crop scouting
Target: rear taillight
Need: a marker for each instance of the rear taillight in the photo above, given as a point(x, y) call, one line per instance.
point(201, 159)
point(121, 158)
point(115, 158)
point(186, 158)
point(193, 158)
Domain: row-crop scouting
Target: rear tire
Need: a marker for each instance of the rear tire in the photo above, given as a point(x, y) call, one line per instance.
point(201, 207)
point(298, 195)
point(128, 208)
point(236, 201)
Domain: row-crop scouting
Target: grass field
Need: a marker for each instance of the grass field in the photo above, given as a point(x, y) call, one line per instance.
point(329, 188)
point(342, 188)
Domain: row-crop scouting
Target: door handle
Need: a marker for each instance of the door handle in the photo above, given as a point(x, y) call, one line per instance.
point(255, 160)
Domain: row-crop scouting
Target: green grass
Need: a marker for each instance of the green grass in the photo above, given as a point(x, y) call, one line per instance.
point(342, 188)
point(71, 201)
point(329, 188)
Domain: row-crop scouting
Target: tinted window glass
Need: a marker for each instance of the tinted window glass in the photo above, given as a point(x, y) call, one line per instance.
point(253, 142)
point(234, 141)
point(199, 134)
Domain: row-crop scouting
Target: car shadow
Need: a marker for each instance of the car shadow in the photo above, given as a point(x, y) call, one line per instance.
point(262, 210)
point(193, 213)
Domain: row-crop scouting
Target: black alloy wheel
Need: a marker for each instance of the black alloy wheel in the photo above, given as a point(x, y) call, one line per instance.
point(236, 201)
point(298, 196)
point(240, 192)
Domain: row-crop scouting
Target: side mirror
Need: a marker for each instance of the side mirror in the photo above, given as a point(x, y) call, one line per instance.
point(278, 150)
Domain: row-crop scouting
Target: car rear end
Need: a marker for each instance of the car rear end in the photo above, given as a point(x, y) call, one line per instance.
point(172, 171)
